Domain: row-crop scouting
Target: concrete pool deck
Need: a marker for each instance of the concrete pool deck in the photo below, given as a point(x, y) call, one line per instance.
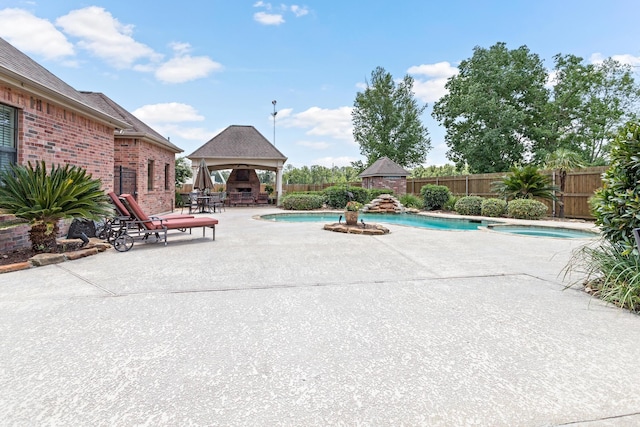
point(287, 324)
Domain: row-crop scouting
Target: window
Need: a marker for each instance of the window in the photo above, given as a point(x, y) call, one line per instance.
point(150, 175)
point(8, 136)
point(167, 170)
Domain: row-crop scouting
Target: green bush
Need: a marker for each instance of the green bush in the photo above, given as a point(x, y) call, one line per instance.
point(616, 205)
point(411, 201)
point(451, 203)
point(336, 196)
point(434, 196)
point(469, 205)
point(302, 202)
point(493, 207)
point(526, 209)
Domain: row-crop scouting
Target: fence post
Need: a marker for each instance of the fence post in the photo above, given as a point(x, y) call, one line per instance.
point(466, 185)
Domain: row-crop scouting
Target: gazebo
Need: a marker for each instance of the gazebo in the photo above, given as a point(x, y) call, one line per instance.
point(385, 173)
point(243, 150)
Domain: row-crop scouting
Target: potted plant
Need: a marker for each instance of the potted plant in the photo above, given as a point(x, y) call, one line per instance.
point(351, 212)
point(269, 189)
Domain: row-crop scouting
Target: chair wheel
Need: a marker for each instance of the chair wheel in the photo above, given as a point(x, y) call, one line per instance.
point(123, 243)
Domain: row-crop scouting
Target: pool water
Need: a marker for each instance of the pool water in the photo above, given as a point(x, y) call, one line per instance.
point(411, 220)
point(539, 231)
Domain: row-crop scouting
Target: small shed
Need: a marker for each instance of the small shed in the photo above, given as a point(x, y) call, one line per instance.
point(385, 174)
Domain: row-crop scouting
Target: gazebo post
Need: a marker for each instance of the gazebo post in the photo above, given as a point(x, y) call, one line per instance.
point(278, 184)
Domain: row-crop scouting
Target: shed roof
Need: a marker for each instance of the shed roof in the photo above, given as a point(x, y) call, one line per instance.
point(18, 69)
point(384, 166)
point(137, 128)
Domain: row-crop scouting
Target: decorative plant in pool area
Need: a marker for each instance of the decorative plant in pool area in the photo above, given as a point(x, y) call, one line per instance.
point(353, 206)
point(612, 267)
point(525, 182)
point(43, 198)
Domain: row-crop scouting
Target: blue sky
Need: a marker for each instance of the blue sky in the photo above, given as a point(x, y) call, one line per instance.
point(190, 69)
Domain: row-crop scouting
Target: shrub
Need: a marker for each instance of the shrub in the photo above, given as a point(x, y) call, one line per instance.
point(469, 205)
point(302, 202)
point(611, 274)
point(493, 207)
point(451, 203)
point(411, 201)
point(434, 196)
point(337, 197)
point(525, 182)
point(616, 205)
point(526, 209)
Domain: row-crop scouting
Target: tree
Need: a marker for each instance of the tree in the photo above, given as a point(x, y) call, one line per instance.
point(563, 160)
point(434, 171)
point(616, 205)
point(590, 102)
point(493, 111)
point(183, 171)
point(45, 198)
point(386, 121)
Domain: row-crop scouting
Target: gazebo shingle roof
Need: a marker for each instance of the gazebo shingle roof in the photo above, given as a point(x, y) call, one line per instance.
point(384, 166)
point(238, 142)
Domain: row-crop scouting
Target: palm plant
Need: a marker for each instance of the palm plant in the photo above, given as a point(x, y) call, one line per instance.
point(43, 198)
point(563, 160)
point(525, 182)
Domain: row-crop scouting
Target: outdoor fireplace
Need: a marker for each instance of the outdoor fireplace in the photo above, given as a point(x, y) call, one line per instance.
point(243, 180)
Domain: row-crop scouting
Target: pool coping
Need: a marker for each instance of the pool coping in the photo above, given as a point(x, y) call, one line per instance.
point(571, 224)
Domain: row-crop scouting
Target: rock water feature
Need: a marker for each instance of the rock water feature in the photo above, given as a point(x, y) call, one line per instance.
point(385, 203)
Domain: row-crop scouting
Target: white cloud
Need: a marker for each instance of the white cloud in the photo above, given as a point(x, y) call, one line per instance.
point(627, 59)
point(439, 69)
point(432, 89)
point(171, 112)
point(105, 37)
point(335, 123)
point(268, 18)
point(320, 145)
point(298, 10)
point(174, 132)
point(184, 68)
point(31, 34)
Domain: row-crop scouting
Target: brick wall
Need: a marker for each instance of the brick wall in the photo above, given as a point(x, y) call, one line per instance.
point(136, 154)
point(50, 132)
point(397, 184)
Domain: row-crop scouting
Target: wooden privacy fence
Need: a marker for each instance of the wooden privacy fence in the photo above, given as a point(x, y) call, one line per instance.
point(579, 187)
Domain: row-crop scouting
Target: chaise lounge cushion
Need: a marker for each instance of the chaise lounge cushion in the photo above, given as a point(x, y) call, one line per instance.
point(160, 223)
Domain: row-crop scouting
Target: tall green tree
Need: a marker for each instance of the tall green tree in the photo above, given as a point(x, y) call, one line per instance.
point(183, 171)
point(590, 102)
point(493, 111)
point(386, 121)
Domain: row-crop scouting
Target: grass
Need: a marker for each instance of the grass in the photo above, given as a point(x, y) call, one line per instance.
point(610, 275)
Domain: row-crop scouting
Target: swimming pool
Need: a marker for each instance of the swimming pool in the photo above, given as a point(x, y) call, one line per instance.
point(541, 231)
point(411, 220)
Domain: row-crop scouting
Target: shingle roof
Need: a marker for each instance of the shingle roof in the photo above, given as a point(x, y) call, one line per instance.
point(18, 65)
point(384, 166)
point(138, 128)
point(238, 142)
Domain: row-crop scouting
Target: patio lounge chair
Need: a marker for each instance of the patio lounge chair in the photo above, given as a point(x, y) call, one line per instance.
point(156, 225)
point(124, 214)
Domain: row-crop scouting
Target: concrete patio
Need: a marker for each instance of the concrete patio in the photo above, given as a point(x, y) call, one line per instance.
point(290, 325)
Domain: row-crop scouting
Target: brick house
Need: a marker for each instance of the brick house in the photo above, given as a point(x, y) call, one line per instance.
point(44, 118)
point(385, 174)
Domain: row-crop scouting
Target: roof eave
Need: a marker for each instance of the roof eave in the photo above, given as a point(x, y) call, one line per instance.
point(21, 82)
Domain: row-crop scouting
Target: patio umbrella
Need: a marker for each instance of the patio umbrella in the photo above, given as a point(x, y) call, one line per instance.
point(203, 177)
